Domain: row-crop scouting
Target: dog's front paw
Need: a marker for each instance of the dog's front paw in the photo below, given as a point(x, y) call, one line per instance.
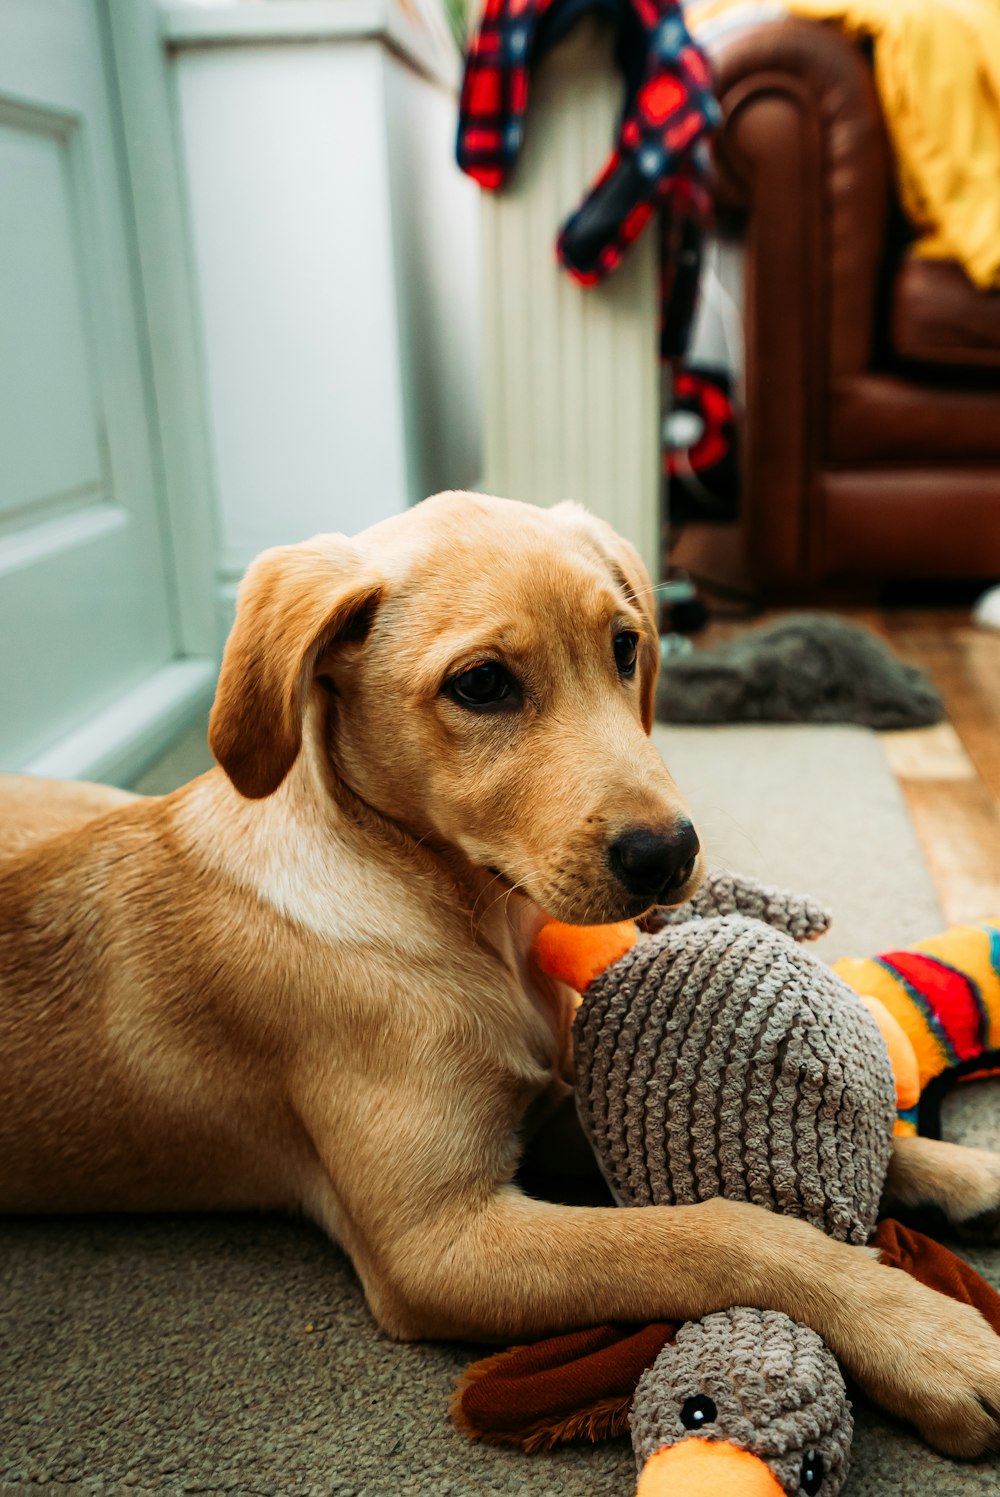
point(933, 1362)
point(934, 1184)
point(975, 1208)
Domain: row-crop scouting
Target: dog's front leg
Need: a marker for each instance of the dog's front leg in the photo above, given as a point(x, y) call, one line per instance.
point(413, 1178)
point(510, 1268)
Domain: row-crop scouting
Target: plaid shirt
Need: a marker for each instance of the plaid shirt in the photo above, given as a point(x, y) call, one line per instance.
point(661, 158)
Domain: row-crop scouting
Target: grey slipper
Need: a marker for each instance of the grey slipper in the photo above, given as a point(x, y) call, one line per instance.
point(803, 668)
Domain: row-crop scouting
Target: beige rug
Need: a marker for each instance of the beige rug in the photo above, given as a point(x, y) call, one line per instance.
point(172, 1355)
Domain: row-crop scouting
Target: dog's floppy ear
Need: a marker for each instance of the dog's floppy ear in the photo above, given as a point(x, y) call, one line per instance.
point(626, 567)
point(293, 603)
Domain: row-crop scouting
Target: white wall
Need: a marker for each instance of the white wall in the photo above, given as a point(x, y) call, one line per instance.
point(335, 247)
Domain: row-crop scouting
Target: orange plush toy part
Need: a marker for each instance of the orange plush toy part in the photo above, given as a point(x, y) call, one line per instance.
point(576, 954)
point(944, 996)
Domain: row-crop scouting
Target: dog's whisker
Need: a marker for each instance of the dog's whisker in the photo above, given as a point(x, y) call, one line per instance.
point(505, 894)
point(482, 893)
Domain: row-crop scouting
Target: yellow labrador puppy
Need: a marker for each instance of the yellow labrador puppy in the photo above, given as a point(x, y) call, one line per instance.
point(304, 981)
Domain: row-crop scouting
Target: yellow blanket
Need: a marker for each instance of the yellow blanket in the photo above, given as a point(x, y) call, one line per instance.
point(937, 65)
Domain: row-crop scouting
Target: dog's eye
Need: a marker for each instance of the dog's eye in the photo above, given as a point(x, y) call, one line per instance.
point(486, 685)
point(625, 646)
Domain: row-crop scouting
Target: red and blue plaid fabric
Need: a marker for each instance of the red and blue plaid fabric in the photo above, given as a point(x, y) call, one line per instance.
point(660, 160)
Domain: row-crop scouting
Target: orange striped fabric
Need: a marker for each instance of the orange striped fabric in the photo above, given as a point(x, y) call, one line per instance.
point(945, 995)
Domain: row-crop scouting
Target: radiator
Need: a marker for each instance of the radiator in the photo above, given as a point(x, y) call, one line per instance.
point(572, 377)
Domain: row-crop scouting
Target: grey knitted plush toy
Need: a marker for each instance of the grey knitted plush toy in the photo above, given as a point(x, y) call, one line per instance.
point(716, 1057)
point(745, 1403)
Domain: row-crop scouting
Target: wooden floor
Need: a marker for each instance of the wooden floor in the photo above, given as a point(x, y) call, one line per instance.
point(950, 775)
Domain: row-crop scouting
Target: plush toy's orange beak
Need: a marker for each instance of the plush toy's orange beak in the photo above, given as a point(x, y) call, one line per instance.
point(706, 1468)
point(578, 953)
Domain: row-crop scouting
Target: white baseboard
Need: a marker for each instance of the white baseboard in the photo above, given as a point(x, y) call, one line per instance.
point(120, 742)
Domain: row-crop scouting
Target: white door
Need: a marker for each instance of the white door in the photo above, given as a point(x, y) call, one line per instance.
point(85, 597)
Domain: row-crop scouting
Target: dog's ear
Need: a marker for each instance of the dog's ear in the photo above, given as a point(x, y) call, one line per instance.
point(294, 603)
point(626, 567)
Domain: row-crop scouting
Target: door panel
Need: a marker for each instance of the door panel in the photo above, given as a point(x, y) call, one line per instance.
point(85, 607)
point(47, 427)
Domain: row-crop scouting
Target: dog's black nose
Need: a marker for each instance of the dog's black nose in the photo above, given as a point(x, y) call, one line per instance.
point(650, 864)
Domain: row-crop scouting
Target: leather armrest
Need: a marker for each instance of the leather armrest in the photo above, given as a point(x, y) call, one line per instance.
point(802, 156)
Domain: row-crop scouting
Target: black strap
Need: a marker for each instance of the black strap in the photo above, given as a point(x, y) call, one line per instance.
point(929, 1106)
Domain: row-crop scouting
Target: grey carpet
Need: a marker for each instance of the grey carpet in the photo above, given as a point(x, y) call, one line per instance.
point(171, 1355)
point(817, 810)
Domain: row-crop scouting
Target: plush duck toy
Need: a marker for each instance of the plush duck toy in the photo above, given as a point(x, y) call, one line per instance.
point(715, 1056)
point(775, 1418)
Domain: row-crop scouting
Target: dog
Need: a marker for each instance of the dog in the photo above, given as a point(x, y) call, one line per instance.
point(304, 981)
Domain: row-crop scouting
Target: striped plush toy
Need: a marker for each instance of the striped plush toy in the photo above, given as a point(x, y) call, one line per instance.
point(938, 1006)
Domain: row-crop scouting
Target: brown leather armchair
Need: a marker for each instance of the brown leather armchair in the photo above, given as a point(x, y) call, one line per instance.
point(872, 423)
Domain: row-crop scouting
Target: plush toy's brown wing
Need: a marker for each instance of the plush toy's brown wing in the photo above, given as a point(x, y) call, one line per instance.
point(578, 1386)
point(937, 1267)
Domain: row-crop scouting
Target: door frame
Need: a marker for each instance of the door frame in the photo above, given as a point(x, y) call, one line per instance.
point(138, 69)
point(117, 744)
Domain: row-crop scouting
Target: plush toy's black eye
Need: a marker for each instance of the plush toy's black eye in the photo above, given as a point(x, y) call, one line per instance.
point(811, 1475)
point(698, 1411)
point(625, 646)
point(486, 685)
